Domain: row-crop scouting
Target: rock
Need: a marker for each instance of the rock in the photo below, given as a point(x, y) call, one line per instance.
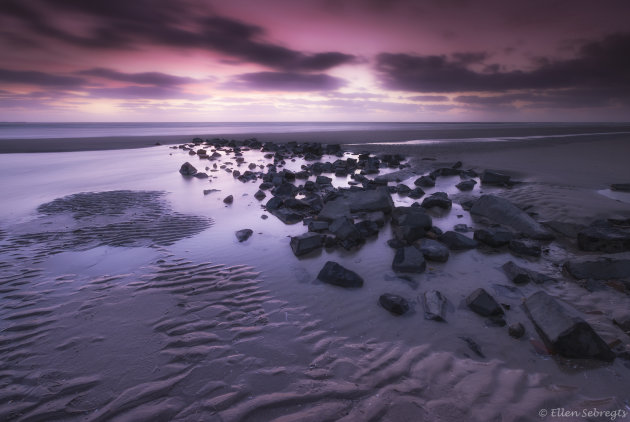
point(334, 209)
point(344, 229)
point(520, 275)
point(403, 189)
point(370, 200)
point(483, 304)
point(243, 235)
point(434, 305)
point(409, 260)
point(228, 199)
point(494, 238)
point(607, 239)
point(564, 331)
point(333, 273)
point(410, 223)
point(396, 243)
point(502, 211)
point(378, 217)
point(395, 304)
point(200, 175)
point(622, 319)
point(305, 243)
point(274, 203)
point(416, 193)
point(317, 226)
point(438, 199)
point(367, 228)
point(260, 195)
point(462, 228)
point(187, 169)
point(622, 187)
point(472, 344)
point(323, 180)
point(516, 330)
point(599, 269)
point(525, 247)
point(285, 189)
point(489, 177)
point(466, 185)
point(457, 241)
point(287, 216)
point(209, 191)
point(265, 185)
point(425, 181)
point(433, 250)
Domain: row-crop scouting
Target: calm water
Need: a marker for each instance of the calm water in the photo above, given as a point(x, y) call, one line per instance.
point(430, 130)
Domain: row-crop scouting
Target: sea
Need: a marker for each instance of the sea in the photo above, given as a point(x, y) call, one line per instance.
point(433, 130)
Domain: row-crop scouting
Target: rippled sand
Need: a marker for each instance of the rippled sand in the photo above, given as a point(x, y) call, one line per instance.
point(126, 296)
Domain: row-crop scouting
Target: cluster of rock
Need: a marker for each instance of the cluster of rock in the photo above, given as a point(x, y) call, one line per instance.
point(347, 217)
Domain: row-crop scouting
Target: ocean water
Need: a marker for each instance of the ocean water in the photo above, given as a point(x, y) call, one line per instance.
point(424, 130)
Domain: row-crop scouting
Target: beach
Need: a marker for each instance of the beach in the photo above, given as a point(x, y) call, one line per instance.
point(127, 296)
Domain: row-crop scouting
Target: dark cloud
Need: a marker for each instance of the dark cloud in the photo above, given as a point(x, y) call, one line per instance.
point(31, 77)
point(146, 78)
point(124, 24)
point(433, 98)
point(286, 81)
point(142, 92)
point(600, 64)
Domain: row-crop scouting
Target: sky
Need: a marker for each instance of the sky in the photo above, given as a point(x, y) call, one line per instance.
point(314, 60)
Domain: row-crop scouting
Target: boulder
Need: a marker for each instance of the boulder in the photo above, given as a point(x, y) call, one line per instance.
point(409, 260)
point(525, 247)
point(187, 169)
point(516, 330)
point(274, 203)
point(416, 193)
point(621, 318)
point(334, 209)
point(370, 200)
point(367, 228)
point(483, 304)
point(457, 241)
point(333, 273)
point(260, 195)
point(433, 250)
point(490, 177)
point(437, 199)
point(228, 199)
point(434, 305)
point(243, 235)
point(287, 216)
point(494, 238)
point(564, 331)
point(622, 187)
point(395, 304)
point(502, 211)
point(344, 229)
point(425, 181)
point(323, 180)
point(200, 175)
point(599, 269)
point(305, 243)
point(520, 275)
point(317, 226)
point(403, 189)
point(285, 189)
point(607, 239)
point(466, 185)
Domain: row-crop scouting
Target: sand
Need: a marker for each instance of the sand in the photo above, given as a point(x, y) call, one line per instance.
point(126, 296)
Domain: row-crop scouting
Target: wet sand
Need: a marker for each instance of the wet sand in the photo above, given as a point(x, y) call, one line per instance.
point(127, 297)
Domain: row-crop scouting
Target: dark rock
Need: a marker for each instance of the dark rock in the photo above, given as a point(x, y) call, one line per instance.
point(457, 241)
point(265, 185)
point(425, 181)
point(502, 211)
point(520, 275)
point(457, 165)
point(489, 177)
point(323, 180)
point(622, 319)
point(409, 260)
point(287, 216)
point(200, 175)
point(466, 185)
point(396, 243)
point(330, 242)
point(403, 189)
point(434, 305)
point(260, 195)
point(495, 321)
point(333, 273)
point(445, 171)
point(274, 203)
point(228, 199)
point(462, 228)
point(416, 193)
point(378, 217)
point(483, 304)
point(367, 228)
point(599, 269)
point(494, 238)
point(525, 247)
point(516, 330)
point(285, 189)
point(317, 226)
point(622, 187)
point(243, 235)
point(564, 331)
point(433, 250)
point(344, 229)
point(395, 304)
point(438, 199)
point(334, 209)
point(607, 239)
point(187, 169)
point(305, 243)
point(370, 200)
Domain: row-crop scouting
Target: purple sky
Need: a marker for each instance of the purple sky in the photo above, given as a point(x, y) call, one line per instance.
point(320, 60)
